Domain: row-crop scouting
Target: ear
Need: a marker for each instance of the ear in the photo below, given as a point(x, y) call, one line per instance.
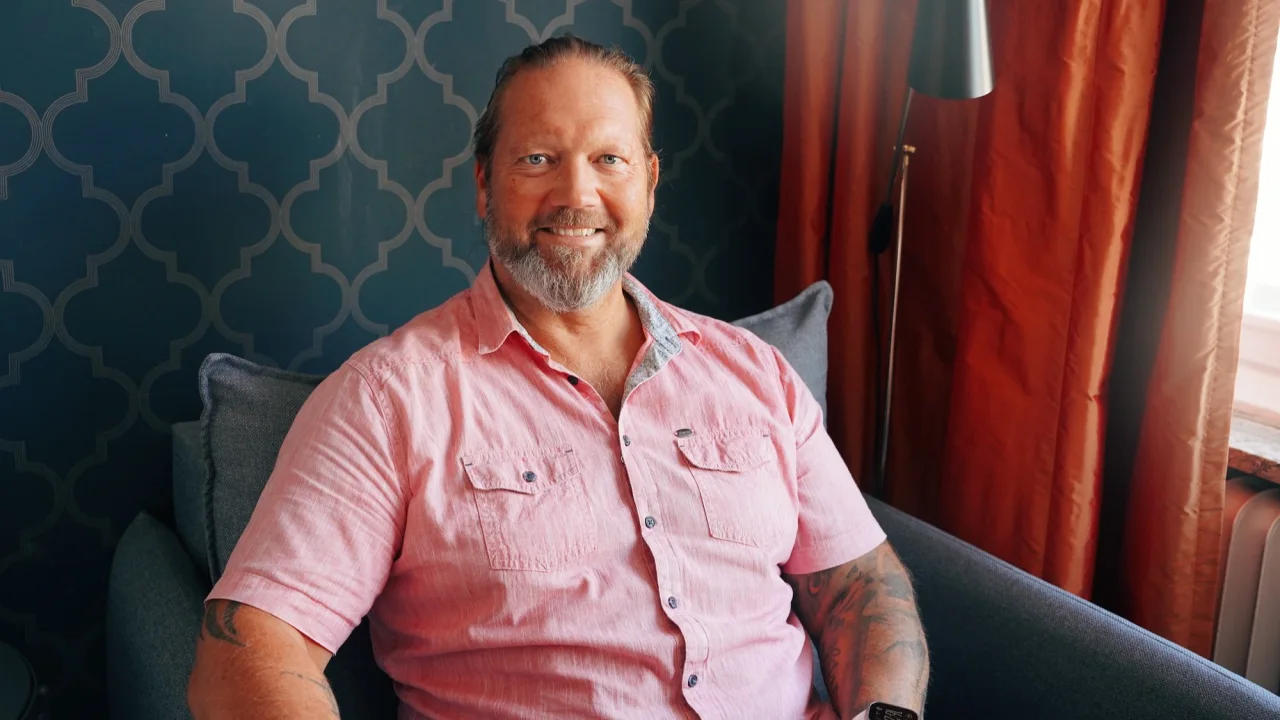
point(653, 179)
point(482, 189)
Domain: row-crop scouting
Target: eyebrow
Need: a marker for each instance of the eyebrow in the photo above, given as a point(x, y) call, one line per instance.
point(618, 142)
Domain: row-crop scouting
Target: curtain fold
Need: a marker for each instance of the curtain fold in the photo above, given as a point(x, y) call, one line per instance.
point(1177, 488)
point(1016, 267)
point(839, 117)
point(1056, 180)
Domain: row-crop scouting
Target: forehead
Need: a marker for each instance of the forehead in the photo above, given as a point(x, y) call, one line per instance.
point(571, 101)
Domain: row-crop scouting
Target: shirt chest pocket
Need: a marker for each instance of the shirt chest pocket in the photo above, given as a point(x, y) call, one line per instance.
point(744, 493)
point(534, 509)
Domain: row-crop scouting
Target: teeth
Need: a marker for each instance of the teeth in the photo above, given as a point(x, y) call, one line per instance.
point(573, 232)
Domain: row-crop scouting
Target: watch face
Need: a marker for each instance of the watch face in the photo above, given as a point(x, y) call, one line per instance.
point(885, 711)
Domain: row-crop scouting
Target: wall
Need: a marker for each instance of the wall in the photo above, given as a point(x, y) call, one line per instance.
point(286, 180)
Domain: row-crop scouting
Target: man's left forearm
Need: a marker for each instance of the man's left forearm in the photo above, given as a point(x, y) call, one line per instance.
point(870, 637)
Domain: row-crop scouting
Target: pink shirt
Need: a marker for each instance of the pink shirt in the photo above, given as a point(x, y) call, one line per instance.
point(522, 554)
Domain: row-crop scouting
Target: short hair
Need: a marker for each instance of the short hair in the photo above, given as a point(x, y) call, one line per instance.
point(546, 54)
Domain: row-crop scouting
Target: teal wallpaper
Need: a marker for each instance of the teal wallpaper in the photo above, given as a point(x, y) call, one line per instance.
point(287, 180)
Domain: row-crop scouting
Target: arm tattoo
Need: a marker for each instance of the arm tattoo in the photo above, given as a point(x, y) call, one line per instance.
point(870, 638)
point(323, 685)
point(220, 621)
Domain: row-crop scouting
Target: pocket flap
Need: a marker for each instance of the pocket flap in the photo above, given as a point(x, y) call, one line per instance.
point(729, 453)
point(526, 473)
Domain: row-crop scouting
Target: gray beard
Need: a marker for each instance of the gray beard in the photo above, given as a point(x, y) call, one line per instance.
point(553, 283)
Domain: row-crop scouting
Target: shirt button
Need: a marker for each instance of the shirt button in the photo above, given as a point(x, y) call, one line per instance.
point(626, 441)
point(573, 379)
point(683, 433)
point(649, 522)
point(671, 602)
point(529, 476)
point(693, 680)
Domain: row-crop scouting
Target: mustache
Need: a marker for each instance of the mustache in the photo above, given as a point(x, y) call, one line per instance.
point(575, 217)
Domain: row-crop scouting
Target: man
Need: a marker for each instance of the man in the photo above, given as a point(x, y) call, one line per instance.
point(556, 495)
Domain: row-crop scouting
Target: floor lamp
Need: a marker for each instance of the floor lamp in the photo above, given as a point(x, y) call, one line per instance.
point(950, 59)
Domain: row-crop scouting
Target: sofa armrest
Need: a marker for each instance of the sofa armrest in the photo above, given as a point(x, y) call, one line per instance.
point(1006, 642)
point(155, 600)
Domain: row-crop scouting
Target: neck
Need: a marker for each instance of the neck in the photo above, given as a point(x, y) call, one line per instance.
point(605, 325)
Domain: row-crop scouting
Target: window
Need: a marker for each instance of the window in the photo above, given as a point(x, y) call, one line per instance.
point(1258, 378)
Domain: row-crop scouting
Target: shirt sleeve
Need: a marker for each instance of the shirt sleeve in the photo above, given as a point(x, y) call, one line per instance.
point(836, 525)
point(319, 546)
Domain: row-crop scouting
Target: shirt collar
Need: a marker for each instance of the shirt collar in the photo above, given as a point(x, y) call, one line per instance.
point(664, 322)
point(495, 321)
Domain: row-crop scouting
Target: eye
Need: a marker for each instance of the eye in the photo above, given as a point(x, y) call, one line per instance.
point(610, 159)
point(536, 159)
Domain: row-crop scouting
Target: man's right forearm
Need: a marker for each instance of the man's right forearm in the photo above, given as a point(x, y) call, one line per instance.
point(250, 670)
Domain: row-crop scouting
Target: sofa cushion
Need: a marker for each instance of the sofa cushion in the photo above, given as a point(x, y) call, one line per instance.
point(189, 485)
point(248, 409)
point(798, 328)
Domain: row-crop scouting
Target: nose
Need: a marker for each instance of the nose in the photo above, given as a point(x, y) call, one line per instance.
point(576, 185)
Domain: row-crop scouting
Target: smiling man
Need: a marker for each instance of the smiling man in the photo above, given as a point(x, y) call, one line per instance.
point(556, 495)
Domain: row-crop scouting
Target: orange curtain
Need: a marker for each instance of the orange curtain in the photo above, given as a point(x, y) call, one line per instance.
point(1017, 278)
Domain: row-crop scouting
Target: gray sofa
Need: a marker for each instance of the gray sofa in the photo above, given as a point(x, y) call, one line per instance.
point(1003, 643)
point(1001, 640)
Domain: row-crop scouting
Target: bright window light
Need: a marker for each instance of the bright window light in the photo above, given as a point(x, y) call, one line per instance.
point(1262, 291)
point(1257, 392)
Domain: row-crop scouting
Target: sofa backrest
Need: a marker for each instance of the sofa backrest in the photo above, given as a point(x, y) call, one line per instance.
point(188, 492)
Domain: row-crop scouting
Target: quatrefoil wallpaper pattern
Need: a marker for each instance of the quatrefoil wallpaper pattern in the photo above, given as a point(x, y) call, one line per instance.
point(287, 180)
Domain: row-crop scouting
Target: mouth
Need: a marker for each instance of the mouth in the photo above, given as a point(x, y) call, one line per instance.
point(571, 232)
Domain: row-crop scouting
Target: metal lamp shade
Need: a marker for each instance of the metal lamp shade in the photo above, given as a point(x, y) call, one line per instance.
point(951, 50)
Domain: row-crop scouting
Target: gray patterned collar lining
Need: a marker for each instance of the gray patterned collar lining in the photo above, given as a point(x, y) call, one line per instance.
point(651, 316)
point(666, 341)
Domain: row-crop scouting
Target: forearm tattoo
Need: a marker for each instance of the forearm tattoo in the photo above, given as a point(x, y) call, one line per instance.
point(872, 643)
point(323, 685)
point(220, 621)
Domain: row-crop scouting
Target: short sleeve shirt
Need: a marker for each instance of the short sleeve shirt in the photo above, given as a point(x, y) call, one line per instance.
point(522, 553)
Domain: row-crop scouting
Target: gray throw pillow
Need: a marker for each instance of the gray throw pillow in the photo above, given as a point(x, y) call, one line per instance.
point(798, 328)
point(248, 409)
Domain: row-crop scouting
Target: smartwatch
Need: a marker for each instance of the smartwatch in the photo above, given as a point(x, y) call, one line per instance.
point(885, 711)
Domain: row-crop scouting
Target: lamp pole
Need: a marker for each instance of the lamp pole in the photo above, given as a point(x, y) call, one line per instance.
point(882, 461)
point(950, 59)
